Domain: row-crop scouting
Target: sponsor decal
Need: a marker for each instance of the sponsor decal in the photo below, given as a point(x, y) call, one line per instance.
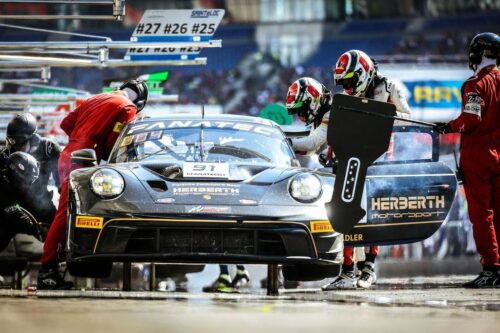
point(206, 190)
point(321, 226)
point(118, 127)
point(205, 170)
point(434, 94)
point(205, 13)
point(208, 209)
point(473, 104)
point(155, 135)
point(406, 203)
point(89, 222)
point(239, 126)
point(141, 137)
point(406, 207)
point(353, 238)
point(127, 140)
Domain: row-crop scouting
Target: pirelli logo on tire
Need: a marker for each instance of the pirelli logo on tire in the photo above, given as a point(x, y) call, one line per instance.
point(89, 222)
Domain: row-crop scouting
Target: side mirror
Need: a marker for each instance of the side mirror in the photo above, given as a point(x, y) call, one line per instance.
point(84, 157)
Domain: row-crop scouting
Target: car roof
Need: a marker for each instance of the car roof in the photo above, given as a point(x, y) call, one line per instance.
point(212, 117)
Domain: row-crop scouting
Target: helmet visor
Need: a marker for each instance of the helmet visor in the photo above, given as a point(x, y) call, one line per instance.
point(348, 82)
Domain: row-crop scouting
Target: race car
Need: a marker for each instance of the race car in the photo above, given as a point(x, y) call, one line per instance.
point(229, 189)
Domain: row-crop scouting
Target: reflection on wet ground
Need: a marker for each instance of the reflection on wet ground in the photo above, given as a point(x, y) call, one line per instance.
point(395, 305)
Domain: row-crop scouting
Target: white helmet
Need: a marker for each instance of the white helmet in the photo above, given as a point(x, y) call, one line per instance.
point(354, 71)
point(305, 98)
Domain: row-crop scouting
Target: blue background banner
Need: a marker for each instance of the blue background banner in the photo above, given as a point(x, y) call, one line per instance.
point(434, 94)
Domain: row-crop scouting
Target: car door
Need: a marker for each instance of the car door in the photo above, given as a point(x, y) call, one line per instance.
point(408, 193)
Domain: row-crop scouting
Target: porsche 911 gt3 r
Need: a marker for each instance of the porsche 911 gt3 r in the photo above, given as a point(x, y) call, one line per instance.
point(225, 189)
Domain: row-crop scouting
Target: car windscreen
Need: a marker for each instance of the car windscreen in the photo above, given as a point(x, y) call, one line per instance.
point(247, 143)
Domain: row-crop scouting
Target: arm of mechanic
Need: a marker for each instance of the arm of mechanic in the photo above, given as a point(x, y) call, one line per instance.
point(472, 106)
point(68, 123)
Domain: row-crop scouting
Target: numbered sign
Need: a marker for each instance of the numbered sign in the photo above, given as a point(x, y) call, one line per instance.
point(205, 170)
point(191, 25)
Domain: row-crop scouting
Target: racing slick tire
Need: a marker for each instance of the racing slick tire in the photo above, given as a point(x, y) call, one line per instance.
point(90, 269)
point(310, 272)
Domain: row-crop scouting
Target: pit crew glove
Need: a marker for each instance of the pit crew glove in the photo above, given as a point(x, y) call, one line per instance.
point(443, 128)
point(23, 222)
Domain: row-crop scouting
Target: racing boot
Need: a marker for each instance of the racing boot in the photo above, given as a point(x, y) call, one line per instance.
point(346, 280)
point(488, 278)
point(241, 279)
point(50, 278)
point(181, 283)
point(368, 276)
point(221, 285)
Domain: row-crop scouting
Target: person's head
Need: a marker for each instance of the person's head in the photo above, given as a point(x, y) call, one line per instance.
point(22, 133)
point(483, 45)
point(21, 169)
point(354, 71)
point(304, 98)
point(137, 91)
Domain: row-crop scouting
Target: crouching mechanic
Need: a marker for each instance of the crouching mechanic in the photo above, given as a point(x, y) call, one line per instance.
point(22, 136)
point(21, 171)
point(95, 124)
point(479, 125)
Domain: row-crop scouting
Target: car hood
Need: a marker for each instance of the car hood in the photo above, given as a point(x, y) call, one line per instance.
point(247, 184)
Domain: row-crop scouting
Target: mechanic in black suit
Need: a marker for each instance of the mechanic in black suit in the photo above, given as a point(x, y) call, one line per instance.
point(22, 136)
point(21, 171)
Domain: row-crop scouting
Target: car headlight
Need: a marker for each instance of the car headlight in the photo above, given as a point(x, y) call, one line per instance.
point(305, 187)
point(107, 183)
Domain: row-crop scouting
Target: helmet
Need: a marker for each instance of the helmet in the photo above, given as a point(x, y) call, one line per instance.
point(485, 44)
point(305, 98)
point(141, 89)
point(22, 169)
point(354, 71)
point(20, 130)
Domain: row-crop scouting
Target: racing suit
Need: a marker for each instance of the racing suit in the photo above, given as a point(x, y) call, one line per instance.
point(39, 199)
point(479, 125)
point(95, 124)
point(381, 89)
point(13, 220)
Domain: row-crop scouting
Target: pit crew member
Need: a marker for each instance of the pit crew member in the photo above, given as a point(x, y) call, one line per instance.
point(22, 135)
point(21, 171)
point(479, 125)
point(95, 124)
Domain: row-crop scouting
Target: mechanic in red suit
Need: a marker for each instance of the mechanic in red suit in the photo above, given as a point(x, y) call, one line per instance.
point(479, 125)
point(95, 124)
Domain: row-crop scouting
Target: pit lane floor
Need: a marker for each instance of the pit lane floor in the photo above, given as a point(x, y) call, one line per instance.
point(394, 305)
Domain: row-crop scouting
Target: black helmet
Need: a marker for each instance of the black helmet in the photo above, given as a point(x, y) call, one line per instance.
point(21, 129)
point(22, 169)
point(141, 89)
point(485, 44)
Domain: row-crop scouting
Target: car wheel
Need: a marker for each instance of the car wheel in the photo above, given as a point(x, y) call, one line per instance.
point(91, 269)
point(306, 272)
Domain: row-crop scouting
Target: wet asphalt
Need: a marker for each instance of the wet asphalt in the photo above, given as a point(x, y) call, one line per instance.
point(436, 304)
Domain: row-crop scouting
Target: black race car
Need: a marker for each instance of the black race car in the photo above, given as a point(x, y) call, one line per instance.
point(228, 189)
